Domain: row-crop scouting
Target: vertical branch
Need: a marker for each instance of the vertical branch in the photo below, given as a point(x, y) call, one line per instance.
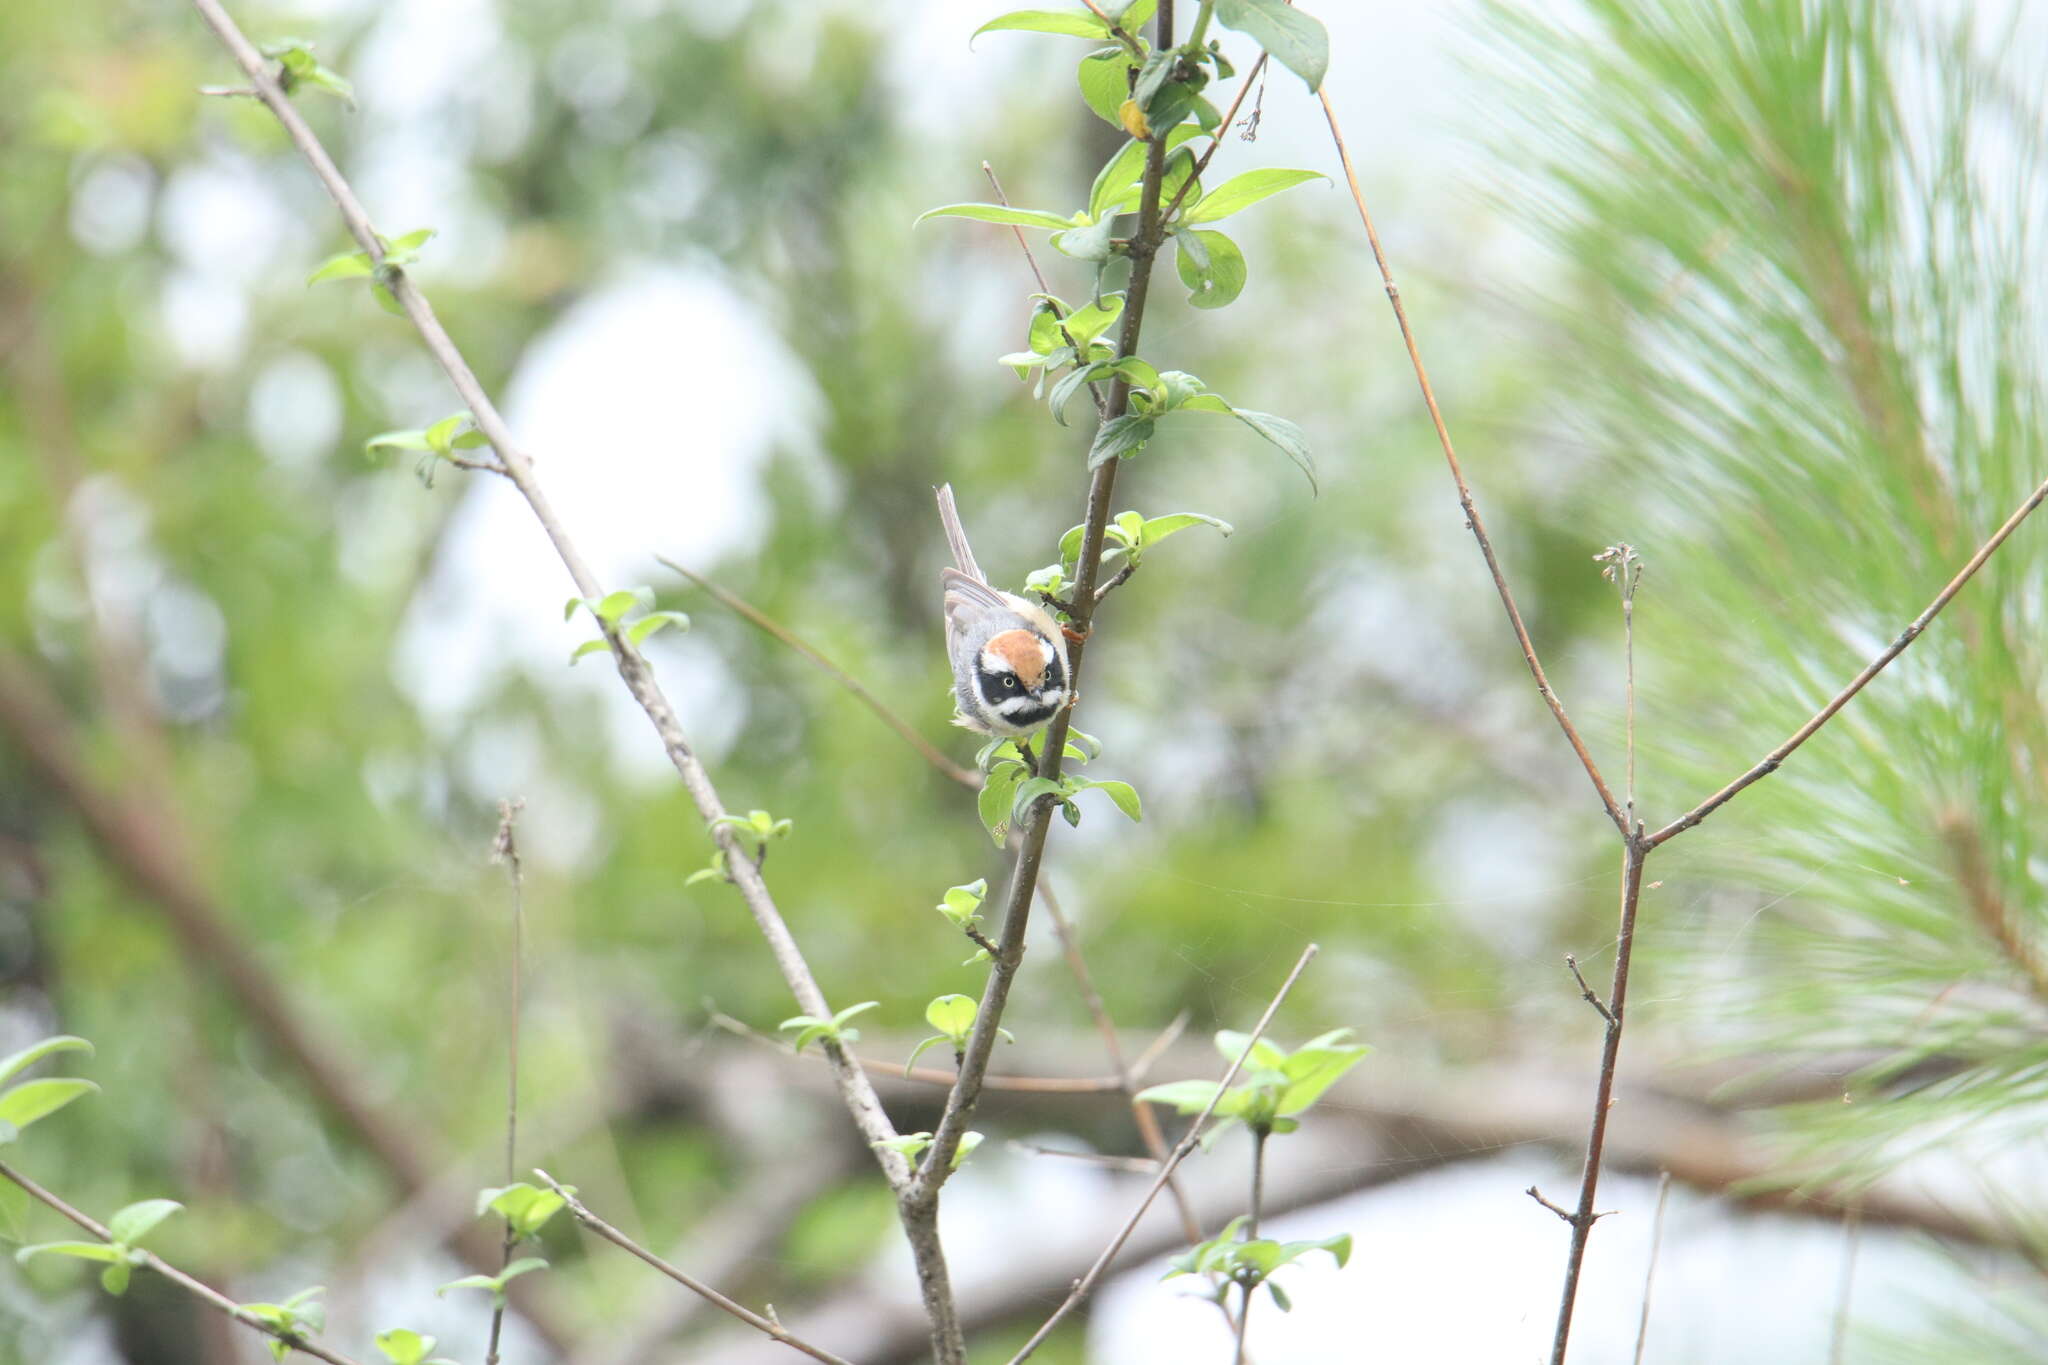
point(505, 849)
point(1472, 520)
point(1258, 1201)
point(1143, 249)
point(1582, 1217)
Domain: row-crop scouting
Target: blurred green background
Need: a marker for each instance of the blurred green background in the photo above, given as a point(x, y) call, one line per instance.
point(1748, 284)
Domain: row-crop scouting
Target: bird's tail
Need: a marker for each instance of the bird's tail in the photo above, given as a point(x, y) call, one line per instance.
point(949, 517)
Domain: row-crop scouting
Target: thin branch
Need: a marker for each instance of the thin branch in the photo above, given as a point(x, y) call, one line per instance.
point(1087, 1282)
point(937, 1165)
point(198, 1289)
point(1768, 764)
point(755, 616)
point(1582, 1218)
point(769, 1326)
point(855, 1092)
point(1571, 961)
point(1216, 139)
point(1472, 519)
point(1650, 1271)
point(505, 849)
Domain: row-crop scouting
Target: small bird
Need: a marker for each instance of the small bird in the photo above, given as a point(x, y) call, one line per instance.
point(1009, 656)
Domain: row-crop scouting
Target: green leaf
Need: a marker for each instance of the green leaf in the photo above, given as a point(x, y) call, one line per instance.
point(1073, 25)
point(997, 789)
point(589, 647)
point(398, 440)
point(348, 265)
point(1123, 793)
point(613, 605)
point(1313, 1070)
point(469, 1282)
point(403, 1346)
point(1159, 528)
point(952, 1015)
point(441, 435)
point(911, 1145)
point(1070, 384)
point(1291, 440)
point(1087, 323)
point(525, 1265)
point(84, 1251)
point(1280, 1299)
point(131, 1224)
point(1118, 179)
point(525, 1208)
point(1030, 791)
point(33, 1100)
point(1266, 1055)
point(1119, 437)
point(1210, 265)
point(653, 622)
point(1188, 1097)
point(1105, 83)
point(1242, 191)
point(15, 1063)
point(114, 1279)
point(919, 1050)
point(1088, 242)
point(1297, 41)
point(962, 904)
point(969, 1140)
point(405, 250)
point(998, 213)
point(1180, 168)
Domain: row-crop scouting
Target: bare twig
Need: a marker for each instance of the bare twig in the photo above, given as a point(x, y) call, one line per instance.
point(1095, 391)
point(1548, 1203)
point(505, 849)
point(1251, 1231)
point(1216, 140)
point(1768, 764)
point(1572, 962)
point(755, 616)
point(1087, 1282)
point(1582, 1217)
point(198, 1289)
point(769, 1326)
point(1650, 1271)
point(1472, 519)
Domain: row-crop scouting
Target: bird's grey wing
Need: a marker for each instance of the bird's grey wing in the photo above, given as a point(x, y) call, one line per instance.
point(969, 598)
point(956, 537)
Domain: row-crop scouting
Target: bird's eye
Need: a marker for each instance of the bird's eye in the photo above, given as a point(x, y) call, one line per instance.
point(1009, 682)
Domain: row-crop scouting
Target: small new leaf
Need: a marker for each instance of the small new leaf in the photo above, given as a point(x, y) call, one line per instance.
point(131, 1224)
point(1242, 191)
point(998, 213)
point(1119, 438)
point(1073, 25)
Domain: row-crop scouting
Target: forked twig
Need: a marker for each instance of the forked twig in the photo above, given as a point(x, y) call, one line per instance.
point(1087, 1282)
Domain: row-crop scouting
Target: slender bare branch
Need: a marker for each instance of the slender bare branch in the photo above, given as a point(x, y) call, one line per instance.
point(1472, 518)
point(1845, 1289)
point(755, 616)
point(1095, 391)
point(198, 1289)
point(1582, 1217)
point(1087, 1282)
point(1769, 763)
point(769, 1326)
point(855, 1092)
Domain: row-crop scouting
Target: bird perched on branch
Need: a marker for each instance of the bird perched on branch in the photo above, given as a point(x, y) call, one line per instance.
point(1008, 654)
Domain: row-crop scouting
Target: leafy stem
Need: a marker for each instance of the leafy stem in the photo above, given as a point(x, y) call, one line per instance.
point(921, 1202)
